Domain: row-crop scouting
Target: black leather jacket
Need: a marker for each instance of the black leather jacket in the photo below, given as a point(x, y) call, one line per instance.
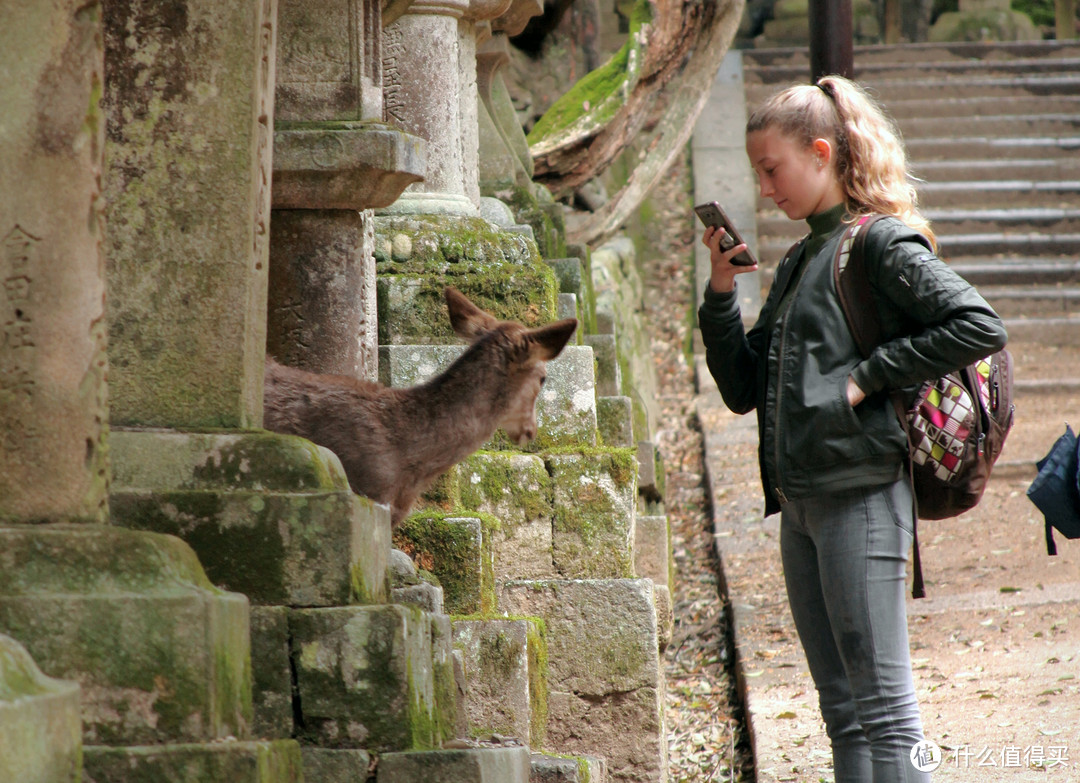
point(793, 365)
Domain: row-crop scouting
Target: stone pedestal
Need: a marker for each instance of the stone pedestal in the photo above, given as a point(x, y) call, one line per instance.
point(334, 160)
point(53, 415)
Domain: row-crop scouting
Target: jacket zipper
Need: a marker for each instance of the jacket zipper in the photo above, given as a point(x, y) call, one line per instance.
point(779, 398)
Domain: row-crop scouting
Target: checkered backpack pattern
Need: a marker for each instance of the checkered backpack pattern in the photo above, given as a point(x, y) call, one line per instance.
point(958, 423)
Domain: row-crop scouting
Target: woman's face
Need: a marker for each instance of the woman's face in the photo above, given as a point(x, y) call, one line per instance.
point(801, 180)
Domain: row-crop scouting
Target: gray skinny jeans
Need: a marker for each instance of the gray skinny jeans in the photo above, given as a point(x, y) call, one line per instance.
point(844, 557)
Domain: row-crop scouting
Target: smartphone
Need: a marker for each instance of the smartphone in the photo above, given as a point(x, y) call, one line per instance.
point(712, 214)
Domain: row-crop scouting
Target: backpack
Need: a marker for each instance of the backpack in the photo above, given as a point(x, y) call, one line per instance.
point(957, 424)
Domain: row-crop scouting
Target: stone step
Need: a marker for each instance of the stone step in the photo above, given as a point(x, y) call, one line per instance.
point(568, 769)
point(997, 169)
point(946, 87)
point(277, 761)
point(468, 765)
point(1052, 194)
point(1015, 270)
point(888, 55)
point(1062, 331)
point(952, 148)
point(981, 106)
point(77, 595)
point(1027, 301)
point(271, 516)
point(40, 730)
point(1043, 124)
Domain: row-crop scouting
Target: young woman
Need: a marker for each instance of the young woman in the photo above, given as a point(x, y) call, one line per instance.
point(832, 452)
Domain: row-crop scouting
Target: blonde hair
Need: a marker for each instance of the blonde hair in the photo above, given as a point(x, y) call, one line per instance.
point(871, 163)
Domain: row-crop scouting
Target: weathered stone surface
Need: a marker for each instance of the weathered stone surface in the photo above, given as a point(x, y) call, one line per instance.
point(270, 516)
point(335, 765)
point(606, 684)
point(560, 769)
point(53, 413)
point(516, 490)
point(424, 596)
point(626, 729)
point(568, 273)
point(321, 305)
point(448, 680)
point(189, 111)
point(40, 732)
point(601, 633)
point(498, 690)
point(344, 165)
point(271, 682)
point(652, 549)
point(277, 761)
point(568, 309)
point(595, 495)
point(665, 615)
point(324, 67)
point(364, 677)
point(615, 422)
point(650, 471)
point(476, 765)
point(608, 374)
point(161, 655)
point(455, 550)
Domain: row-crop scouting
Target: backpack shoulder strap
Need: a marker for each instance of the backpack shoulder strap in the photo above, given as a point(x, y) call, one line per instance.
point(853, 285)
point(857, 301)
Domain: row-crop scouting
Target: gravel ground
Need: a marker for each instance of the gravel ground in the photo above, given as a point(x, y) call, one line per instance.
point(706, 734)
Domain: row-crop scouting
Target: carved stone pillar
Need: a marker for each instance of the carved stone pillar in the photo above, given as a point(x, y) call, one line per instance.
point(334, 160)
point(422, 89)
point(53, 415)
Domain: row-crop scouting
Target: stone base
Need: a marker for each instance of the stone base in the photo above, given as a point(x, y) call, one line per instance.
point(366, 678)
point(161, 655)
point(325, 765)
point(40, 732)
point(271, 516)
point(235, 762)
point(476, 765)
point(505, 687)
point(563, 769)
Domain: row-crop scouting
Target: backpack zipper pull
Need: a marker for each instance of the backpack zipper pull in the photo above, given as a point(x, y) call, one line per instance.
point(982, 438)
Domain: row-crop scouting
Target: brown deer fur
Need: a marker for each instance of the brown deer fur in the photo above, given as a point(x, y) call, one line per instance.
point(394, 442)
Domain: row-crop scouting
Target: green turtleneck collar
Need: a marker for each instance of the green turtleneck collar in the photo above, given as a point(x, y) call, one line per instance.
point(824, 223)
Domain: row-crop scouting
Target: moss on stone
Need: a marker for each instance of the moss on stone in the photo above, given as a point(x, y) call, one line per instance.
point(450, 552)
point(538, 680)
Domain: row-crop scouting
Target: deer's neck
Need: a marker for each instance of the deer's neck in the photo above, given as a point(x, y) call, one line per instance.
point(458, 410)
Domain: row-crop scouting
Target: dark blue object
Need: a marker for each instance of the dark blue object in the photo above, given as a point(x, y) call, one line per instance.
point(1056, 489)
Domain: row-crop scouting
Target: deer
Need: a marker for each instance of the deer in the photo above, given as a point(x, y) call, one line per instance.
point(394, 442)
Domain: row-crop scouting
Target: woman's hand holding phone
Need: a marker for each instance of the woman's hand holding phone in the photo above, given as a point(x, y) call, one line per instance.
point(722, 279)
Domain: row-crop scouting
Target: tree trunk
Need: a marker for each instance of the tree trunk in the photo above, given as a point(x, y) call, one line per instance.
point(685, 42)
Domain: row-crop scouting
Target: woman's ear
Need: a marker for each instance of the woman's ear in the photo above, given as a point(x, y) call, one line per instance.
point(822, 151)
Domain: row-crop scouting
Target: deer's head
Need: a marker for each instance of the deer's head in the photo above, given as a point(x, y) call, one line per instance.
point(519, 354)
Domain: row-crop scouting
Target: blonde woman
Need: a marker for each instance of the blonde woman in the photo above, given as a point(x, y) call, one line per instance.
point(831, 450)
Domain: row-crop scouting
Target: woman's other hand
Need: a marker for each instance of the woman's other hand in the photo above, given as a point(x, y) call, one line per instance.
point(855, 395)
point(722, 279)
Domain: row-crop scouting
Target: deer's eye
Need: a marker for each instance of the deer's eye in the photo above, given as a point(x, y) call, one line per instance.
point(543, 380)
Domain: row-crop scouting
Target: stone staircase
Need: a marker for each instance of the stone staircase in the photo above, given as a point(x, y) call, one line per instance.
point(993, 132)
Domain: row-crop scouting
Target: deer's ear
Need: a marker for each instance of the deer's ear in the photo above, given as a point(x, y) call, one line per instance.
point(548, 341)
point(468, 320)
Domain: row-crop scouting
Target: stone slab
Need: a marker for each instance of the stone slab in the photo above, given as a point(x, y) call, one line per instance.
point(652, 549)
point(40, 731)
point(456, 551)
point(269, 515)
point(516, 490)
point(615, 421)
point(364, 678)
point(608, 373)
point(595, 500)
point(271, 680)
point(276, 761)
point(161, 655)
point(563, 769)
point(498, 680)
point(335, 765)
point(475, 765)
